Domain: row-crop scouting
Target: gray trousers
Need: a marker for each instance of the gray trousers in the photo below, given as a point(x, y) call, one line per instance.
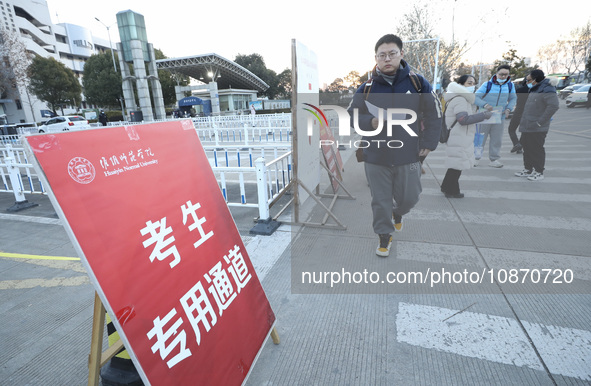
point(496, 138)
point(394, 189)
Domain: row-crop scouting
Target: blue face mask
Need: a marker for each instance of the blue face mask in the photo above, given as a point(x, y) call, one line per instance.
point(529, 85)
point(501, 81)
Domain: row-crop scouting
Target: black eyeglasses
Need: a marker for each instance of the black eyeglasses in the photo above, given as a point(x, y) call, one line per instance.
point(389, 55)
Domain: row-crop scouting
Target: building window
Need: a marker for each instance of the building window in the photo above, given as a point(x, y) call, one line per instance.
point(19, 106)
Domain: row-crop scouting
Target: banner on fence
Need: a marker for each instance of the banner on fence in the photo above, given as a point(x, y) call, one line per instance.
point(162, 251)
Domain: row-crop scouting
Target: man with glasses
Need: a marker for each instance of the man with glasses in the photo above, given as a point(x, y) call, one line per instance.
point(541, 105)
point(498, 94)
point(392, 164)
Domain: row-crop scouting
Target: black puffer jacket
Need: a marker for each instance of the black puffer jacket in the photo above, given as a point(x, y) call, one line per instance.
point(401, 95)
point(542, 103)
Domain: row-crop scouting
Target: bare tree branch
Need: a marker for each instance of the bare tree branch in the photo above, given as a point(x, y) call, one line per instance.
point(14, 65)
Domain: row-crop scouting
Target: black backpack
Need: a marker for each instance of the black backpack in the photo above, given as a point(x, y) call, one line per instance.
point(416, 83)
point(444, 135)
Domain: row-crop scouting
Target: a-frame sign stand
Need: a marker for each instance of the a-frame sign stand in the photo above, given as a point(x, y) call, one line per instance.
point(335, 196)
point(296, 180)
point(98, 358)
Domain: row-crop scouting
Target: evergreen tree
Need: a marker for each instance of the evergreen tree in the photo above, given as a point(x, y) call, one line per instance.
point(102, 85)
point(519, 69)
point(54, 83)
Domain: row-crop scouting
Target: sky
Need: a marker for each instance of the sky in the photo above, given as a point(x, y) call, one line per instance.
point(342, 36)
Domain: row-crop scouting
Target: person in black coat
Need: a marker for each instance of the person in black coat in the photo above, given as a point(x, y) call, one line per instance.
point(103, 118)
point(522, 91)
point(393, 151)
point(542, 104)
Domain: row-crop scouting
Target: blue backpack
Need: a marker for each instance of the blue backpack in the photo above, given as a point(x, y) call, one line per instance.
point(489, 86)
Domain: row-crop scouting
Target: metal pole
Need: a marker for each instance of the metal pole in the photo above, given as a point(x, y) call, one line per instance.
point(111, 47)
point(436, 59)
point(263, 197)
point(110, 43)
point(294, 127)
point(436, 65)
point(113, 57)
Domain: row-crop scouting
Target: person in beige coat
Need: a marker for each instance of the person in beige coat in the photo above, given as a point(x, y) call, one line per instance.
point(460, 116)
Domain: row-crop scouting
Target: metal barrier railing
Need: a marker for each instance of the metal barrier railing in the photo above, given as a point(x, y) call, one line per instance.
point(14, 162)
point(269, 180)
point(238, 121)
point(234, 163)
point(239, 155)
point(245, 135)
point(277, 176)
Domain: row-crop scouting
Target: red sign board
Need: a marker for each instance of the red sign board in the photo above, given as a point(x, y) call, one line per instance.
point(332, 156)
point(162, 249)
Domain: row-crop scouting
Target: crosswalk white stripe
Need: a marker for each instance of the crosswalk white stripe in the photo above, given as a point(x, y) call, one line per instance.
point(502, 259)
point(496, 339)
point(529, 196)
point(504, 219)
point(506, 180)
point(467, 256)
point(582, 157)
point(515, 167)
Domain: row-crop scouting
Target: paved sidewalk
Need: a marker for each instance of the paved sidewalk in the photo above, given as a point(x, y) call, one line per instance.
point(366, 334)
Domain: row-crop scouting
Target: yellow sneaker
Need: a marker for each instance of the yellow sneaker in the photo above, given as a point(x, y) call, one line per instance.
point(383, 249)
point(397, 221)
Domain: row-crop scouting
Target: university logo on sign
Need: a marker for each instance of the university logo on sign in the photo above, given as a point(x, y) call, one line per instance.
point(81, 170)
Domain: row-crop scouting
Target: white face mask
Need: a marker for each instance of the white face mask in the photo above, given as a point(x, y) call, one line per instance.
point(470, 88)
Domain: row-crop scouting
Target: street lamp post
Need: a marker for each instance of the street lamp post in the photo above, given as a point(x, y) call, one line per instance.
point(110, 44)
point(112, 56)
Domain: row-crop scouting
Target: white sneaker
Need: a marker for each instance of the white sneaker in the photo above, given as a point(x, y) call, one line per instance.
point(535, 176)
point(476, 162)
point(523, 173)
point(495, 164)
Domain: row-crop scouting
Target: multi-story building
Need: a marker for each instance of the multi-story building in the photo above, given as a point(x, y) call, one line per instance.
point(71, 44)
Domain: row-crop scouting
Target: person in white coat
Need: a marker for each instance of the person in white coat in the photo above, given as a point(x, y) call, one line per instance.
point(460, 116)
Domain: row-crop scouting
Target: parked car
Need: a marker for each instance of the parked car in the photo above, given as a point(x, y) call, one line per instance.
point(569, 90)
point(64, 123)
point(579, 97)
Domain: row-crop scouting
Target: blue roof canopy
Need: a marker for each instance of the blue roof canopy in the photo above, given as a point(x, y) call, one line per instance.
point(190, 101)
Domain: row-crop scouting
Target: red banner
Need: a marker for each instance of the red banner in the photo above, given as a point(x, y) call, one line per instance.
point(162, 249)
point(332, 156)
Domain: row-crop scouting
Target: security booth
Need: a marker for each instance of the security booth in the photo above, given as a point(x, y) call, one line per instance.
point(203, 106)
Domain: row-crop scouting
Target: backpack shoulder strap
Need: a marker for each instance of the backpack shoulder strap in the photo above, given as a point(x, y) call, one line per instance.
point(367, 88)
point(488, 87)
point(416, 81)
point(448, 102)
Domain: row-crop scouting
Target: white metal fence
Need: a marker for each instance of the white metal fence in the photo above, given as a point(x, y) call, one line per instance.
point(252, 170)
point(18, 176)
point(241, 171)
